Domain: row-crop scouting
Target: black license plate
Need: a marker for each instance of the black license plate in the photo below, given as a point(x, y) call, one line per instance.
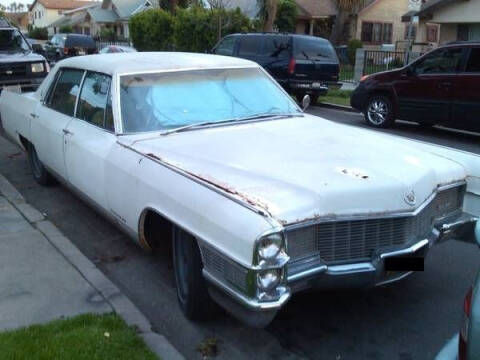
point(399, 263)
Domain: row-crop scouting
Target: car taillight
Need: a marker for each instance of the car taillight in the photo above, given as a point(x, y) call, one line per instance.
point(291, 66)
point(463, 338)
point(65, 51)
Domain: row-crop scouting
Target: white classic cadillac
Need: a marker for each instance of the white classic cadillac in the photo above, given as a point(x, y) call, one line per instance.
point(259, 199)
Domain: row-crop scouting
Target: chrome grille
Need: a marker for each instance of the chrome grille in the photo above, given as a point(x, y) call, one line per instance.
point(357, 240)
point(222, 268)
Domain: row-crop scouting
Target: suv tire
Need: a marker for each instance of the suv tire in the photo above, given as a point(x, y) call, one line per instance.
point(379, 112)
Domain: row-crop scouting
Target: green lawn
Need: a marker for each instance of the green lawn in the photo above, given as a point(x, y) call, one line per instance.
point(338, 97)
point(83, 337)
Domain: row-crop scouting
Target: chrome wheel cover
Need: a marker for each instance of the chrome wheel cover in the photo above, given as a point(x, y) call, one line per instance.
point(377, 112)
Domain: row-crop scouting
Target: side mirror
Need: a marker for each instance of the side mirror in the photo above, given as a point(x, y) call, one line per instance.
point(306, 102)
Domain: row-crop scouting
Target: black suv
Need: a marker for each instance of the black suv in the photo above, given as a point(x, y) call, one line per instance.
point(442, 87)
point(19, 65)
point(301, 64)
point(66, 45)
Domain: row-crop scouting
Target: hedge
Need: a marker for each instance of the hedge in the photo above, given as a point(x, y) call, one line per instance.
point(195, 29)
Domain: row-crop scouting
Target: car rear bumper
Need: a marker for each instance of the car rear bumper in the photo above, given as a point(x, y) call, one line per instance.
point(312, 87)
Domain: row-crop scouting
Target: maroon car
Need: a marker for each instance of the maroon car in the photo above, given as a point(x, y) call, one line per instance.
point(441, 87)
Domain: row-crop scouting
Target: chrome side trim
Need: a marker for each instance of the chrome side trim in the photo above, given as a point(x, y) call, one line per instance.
point(252, 304)
point(350, 268)
point(393, 279)
point(307, 273)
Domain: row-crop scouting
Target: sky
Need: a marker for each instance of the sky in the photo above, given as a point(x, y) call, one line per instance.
point(6, 3)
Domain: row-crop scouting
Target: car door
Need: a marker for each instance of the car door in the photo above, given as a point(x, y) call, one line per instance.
point(424, 89)
point(274, 56)
point(90, 137)
point(466, 93)
point(54, 113)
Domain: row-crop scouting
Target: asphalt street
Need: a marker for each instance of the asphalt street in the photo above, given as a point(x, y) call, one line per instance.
point(410, 319)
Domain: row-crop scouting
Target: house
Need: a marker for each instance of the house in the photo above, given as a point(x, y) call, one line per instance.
point(109, 14)
point(19, 19)
point(43, 12)
point(315, 17)
point(455, 20)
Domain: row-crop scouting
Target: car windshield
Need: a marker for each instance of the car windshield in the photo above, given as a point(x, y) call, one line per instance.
point(165, 101)
point(12, 41)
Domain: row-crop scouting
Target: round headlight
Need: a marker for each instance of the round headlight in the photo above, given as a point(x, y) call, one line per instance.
point(270, 246)
point(268, 280)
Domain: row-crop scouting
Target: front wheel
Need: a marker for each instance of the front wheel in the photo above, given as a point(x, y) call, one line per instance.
point(379, 112)
point(40, 173)
point(192, 292)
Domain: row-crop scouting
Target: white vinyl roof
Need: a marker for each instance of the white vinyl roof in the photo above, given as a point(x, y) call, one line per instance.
point(125, 63)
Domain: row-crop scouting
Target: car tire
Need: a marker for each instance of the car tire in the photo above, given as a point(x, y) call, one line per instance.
point(192, 292)
point(39, 172)
point(313, 98)
point(379, 112)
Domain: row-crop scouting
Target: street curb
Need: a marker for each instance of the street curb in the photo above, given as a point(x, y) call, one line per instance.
point(337, 107)
point(122, 305)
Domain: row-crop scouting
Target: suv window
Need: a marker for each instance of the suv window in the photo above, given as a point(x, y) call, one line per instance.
point(12, 40)
point(473, 64)
point(226, 46)
point(313, 49)
point(248, 45)
point(93, 99)
point(64, 96)
point(276, 46)
point(442, 61)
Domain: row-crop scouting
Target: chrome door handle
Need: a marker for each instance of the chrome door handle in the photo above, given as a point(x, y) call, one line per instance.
point(66, 132)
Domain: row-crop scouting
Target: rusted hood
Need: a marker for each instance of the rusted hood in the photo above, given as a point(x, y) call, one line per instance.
point(302, 168)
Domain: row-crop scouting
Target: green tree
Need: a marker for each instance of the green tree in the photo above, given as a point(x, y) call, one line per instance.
point(286, 15)
point(152, 30)
point(344, 9)
point(38, 33)
point(66, 29)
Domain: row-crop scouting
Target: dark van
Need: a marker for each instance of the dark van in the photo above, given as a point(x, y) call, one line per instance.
point(442, 87)
point(301, 64)
point(66, 45)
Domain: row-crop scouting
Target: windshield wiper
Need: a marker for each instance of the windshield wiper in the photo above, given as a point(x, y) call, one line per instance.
point(207, 123)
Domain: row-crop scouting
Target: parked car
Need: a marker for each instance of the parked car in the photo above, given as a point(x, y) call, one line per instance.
point(440, 87)
point(37, 46)
point(62, 46)
point(116, 49)
point(308, 204)
point(301, 64)
point(466, 344)
point(19, 64)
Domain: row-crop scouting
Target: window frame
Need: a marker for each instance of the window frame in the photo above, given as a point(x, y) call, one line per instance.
point(436, 33)
point(53, 87)
point(104, 112)
point(382, 32)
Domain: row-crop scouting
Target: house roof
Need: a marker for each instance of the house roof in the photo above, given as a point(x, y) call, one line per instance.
point(125, 8)
point(15, 16)
point(316, 8)
point(60, 4)
point(100, 15)
point(432, 5)
point(69, 20)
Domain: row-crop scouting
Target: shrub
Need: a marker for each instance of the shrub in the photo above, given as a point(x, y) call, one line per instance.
point(107, 34)
point(152, 30)
point(352, 47)
point(286, 15)
point(38, 33)
point(66, 29)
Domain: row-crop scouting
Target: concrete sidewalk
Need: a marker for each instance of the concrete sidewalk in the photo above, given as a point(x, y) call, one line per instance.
point(44, 277)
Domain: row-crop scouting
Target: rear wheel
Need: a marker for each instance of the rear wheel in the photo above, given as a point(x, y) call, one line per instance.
point(192, 292)
point(379, 112)
point(39, 172)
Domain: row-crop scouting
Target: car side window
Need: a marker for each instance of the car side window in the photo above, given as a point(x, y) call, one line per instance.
point(66, 91)
point(226, 46)
point(276, 46)
point(92, 105)
point(443, 61)
point(473, 64)
point(248, 46)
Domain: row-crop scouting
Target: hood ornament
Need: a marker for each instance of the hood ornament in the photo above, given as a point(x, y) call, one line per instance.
point(410, 198)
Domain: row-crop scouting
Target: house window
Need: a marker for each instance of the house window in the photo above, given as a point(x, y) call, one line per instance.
point(432, 33)
point(377, 32)
point(413, 34)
